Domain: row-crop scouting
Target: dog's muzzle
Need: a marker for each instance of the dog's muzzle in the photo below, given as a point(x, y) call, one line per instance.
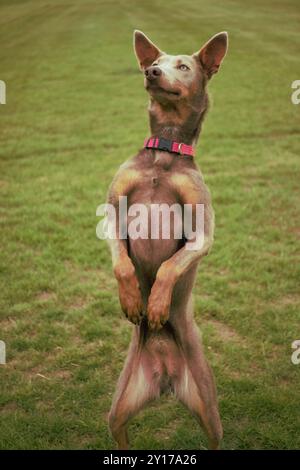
point(152, 73)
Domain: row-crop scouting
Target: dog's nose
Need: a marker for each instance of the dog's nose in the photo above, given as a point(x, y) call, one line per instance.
point(152, 72)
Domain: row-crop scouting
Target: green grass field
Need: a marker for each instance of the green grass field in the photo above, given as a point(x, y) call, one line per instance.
point(76, 109)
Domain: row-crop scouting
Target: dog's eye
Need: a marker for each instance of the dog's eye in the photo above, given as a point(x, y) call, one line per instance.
point(156, 63)
point(183, 67)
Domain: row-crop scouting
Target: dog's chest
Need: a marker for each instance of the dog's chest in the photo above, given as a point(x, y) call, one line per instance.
point(165, 178)
point(162, 169)
point(159, 178)
point(163, 161)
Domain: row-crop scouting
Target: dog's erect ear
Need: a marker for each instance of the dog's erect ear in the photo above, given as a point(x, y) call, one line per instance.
point(145, 51)
point(213, 52)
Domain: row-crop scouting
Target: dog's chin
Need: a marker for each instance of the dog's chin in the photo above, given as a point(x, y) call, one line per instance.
point(161, 93)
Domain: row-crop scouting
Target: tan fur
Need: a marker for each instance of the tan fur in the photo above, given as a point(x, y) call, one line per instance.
point(184, 185)
point(125, 180)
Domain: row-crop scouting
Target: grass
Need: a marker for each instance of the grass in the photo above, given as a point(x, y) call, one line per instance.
point(75, 110)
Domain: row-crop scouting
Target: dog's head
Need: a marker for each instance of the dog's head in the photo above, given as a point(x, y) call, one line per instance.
point(170, 78)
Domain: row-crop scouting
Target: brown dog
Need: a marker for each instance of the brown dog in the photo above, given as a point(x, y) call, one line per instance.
point(156, 276)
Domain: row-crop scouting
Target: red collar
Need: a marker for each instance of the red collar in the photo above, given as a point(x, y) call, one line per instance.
point(169, 146)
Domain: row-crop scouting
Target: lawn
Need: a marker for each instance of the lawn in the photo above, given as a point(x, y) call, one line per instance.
point(76, 109)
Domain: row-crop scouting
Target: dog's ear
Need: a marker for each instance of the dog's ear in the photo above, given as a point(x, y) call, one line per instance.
point(213, 52)
point(145, 51)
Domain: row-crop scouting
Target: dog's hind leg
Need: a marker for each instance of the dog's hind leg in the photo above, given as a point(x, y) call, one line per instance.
point(135, 388)
point(196, 389)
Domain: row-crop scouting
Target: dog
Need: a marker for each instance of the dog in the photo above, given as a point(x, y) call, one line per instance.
point(156, 276)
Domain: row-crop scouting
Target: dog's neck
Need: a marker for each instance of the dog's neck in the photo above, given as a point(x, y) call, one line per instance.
point(178, 121)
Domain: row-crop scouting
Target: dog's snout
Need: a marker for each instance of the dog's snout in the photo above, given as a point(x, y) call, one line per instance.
point(152, 73)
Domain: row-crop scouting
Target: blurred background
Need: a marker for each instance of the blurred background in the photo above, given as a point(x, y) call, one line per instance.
point(75, 110)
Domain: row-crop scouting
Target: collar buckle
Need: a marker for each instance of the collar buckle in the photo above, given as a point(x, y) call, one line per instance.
point(165, 145)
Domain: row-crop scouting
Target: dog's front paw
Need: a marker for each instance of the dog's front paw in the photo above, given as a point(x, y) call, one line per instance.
point(129, 292)
point(158, 305)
